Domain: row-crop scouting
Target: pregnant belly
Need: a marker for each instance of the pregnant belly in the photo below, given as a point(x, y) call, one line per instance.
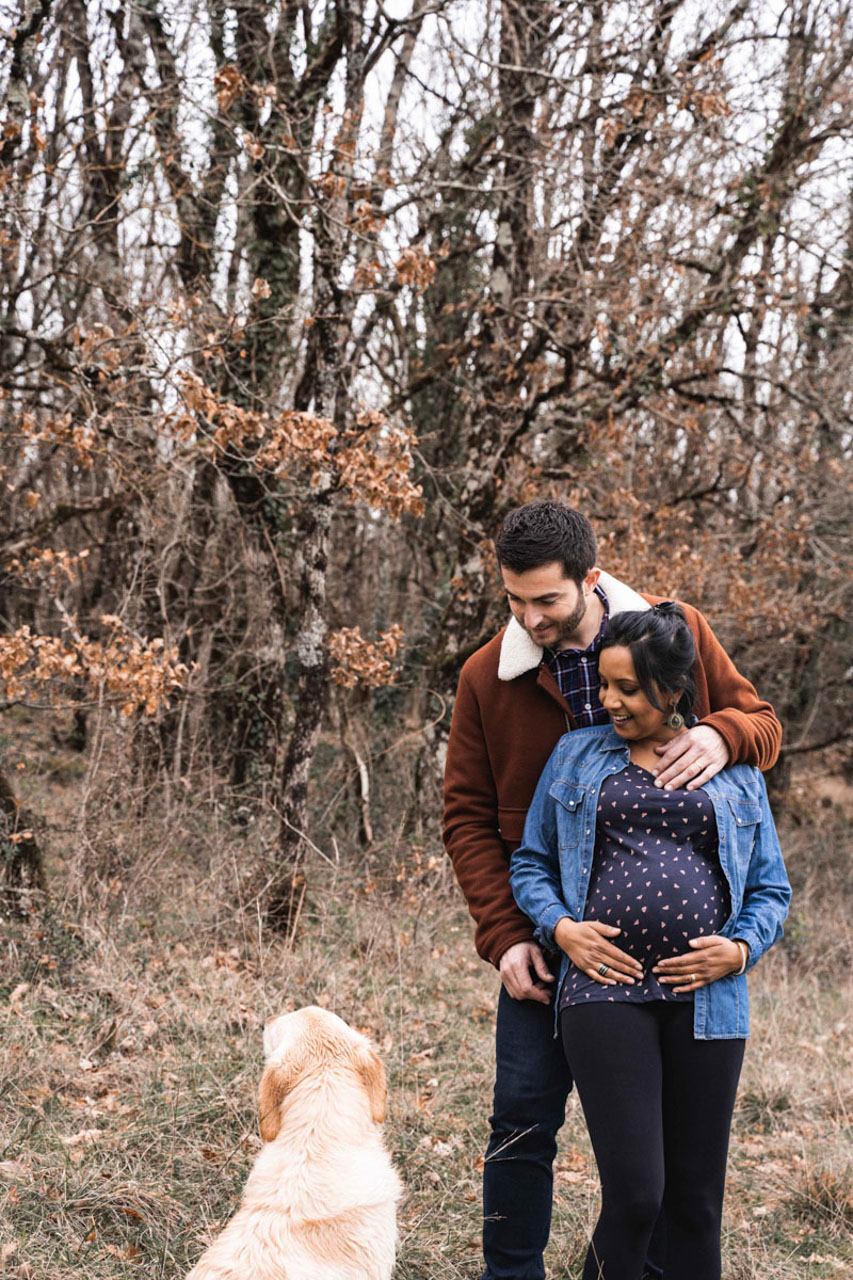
point(657, 913)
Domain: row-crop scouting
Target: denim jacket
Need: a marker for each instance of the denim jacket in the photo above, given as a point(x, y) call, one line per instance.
point(550, 871)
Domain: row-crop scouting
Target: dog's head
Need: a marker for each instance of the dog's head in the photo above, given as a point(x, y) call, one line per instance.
point(308, 1041)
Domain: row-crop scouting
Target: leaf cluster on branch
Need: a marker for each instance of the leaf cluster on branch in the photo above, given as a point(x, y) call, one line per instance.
point(136, 675)
point(357, 661)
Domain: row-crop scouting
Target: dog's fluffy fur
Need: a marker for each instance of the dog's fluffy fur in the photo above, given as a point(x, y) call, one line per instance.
point(320, 1201)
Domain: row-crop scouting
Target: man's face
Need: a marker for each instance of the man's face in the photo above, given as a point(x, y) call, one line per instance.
point(548, 605)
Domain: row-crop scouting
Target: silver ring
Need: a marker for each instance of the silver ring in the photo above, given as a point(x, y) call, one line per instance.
point(693, 977)
point(604, 969)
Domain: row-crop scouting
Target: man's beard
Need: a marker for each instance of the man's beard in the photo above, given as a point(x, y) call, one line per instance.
point(566, 627)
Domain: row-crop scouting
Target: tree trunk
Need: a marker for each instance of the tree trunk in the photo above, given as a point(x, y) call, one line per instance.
point(23, 881)
point(312, 655)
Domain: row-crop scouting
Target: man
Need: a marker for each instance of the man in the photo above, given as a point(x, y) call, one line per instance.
point(537, 679)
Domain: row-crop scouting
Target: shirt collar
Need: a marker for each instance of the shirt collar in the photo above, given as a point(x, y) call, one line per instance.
point(518, 652)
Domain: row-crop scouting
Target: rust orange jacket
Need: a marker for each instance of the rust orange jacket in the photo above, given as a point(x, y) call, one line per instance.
point(507, 718)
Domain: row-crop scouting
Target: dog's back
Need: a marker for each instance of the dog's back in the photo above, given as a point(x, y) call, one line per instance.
point(320, 1201)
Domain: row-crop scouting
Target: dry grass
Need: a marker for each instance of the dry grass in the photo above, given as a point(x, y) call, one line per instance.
point(132, 1018)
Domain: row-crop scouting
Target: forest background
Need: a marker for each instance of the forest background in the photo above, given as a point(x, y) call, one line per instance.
point(296, 301)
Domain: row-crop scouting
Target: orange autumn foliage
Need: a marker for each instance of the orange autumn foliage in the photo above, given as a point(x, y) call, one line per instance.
point(365, 662)
point(137, 675)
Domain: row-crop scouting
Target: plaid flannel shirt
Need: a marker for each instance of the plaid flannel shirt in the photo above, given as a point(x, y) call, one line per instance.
point(576, 672)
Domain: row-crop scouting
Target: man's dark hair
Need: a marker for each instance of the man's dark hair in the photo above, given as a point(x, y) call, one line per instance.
point(662, 649)
point(544, 532)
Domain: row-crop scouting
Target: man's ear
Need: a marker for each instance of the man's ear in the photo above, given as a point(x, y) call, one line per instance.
point(372, 1072)
point(276, 1083)
point(590, 582)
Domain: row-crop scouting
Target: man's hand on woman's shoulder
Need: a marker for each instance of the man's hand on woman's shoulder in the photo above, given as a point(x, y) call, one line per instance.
point(691, 759)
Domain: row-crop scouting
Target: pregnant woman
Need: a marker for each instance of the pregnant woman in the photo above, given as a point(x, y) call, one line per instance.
point(659, 900)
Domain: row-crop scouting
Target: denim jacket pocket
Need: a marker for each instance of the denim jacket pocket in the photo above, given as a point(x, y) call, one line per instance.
point(747, 815)
point(570, 800)
point(745, 812)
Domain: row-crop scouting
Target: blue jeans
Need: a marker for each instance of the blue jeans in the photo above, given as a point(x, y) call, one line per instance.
point(532, 1083)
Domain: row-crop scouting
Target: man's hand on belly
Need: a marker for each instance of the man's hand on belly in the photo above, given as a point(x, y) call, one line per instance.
point(515, 968)
point(691, 758)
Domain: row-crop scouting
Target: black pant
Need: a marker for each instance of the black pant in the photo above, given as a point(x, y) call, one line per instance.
point(658, 1105)
point(532, 1081)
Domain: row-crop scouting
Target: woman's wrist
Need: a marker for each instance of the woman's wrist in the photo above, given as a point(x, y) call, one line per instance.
point(743, 948)
point(563, 926)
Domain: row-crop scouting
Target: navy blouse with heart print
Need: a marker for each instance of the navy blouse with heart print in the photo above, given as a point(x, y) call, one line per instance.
point(655, 875)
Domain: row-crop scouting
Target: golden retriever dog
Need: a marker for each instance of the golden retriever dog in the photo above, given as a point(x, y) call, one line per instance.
point(320, 1201)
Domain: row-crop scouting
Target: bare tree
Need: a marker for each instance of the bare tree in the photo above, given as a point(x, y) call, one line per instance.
point(297, 301)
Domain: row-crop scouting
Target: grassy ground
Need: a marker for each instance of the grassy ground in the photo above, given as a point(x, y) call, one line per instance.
point(132, 1013)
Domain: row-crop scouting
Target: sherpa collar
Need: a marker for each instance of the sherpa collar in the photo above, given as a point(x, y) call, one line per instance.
point(519, 653)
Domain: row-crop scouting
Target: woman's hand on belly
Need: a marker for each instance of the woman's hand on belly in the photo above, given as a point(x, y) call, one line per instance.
point(586, 944)
point(708, 959)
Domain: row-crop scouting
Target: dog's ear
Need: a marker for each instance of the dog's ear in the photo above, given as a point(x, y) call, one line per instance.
point(276, 1083)
point(372, 1071)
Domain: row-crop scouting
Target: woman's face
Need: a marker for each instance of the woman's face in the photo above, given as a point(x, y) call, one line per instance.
point(632, 715)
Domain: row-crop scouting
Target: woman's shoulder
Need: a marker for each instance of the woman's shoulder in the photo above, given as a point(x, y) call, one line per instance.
point(582, 745)
point(742, 781)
